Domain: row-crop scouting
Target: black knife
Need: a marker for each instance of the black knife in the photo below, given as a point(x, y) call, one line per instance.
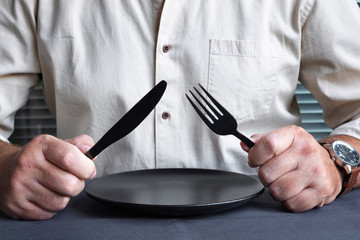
point(130, 120)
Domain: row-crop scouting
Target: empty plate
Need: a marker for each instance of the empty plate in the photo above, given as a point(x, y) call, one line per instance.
point(175, 191)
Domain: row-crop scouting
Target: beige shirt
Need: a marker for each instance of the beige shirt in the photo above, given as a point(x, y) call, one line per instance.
point(98, 58)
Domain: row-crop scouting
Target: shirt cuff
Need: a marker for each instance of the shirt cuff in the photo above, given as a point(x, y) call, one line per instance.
point(350, 128)
point(4, 139)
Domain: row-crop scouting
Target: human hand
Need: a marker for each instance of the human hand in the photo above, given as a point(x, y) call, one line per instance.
point(295, 167)
point(42, 176)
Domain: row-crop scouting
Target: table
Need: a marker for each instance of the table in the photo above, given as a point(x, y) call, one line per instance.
point(263, 218)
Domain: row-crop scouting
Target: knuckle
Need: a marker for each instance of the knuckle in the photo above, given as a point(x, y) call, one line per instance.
point(296, 129)
point(70, 187)
point(73, 186)
point(305, 138)
point(317, 172)
point(62, 203)
point(24, 164)
point(68, 158)
point(308, 149)
point(270, 143)
point(326, 190)
point(43, 138)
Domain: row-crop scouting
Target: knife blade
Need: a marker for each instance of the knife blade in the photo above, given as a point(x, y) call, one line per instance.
point(130, 120)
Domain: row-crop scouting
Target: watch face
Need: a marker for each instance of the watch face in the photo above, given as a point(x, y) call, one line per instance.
point(346, 153)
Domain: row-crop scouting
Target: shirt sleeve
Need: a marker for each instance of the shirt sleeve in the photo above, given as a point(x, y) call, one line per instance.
point(19, 65)
point(330, 62)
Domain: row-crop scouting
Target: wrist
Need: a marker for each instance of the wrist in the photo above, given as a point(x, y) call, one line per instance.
point(344, 152)
point(8, 152)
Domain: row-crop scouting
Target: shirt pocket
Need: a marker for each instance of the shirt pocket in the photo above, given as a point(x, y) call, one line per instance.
point(242, 76)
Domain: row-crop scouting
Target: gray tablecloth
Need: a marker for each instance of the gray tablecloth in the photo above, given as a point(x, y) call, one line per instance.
point(263, 218)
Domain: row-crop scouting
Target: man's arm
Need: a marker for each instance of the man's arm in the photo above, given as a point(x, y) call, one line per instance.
point(295, 167)
point(39, 179)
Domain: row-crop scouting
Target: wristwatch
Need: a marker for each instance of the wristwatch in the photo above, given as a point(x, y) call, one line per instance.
point(347, 158)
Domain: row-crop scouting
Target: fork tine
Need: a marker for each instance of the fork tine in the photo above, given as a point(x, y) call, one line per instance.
point(208, 103)
point(202, 116)
point(203, 106)
point(217, 104)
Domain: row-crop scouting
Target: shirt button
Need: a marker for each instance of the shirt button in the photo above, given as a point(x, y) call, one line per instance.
point(165, 115)
point(165, 48)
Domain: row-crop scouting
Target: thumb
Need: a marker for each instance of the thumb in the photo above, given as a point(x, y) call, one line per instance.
point(82, 142)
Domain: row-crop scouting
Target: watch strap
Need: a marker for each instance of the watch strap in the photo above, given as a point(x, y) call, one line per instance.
point(350, 180)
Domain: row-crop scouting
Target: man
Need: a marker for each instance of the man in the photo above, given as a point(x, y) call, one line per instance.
point(97, 58)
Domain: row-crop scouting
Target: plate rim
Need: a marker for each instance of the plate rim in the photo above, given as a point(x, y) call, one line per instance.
point(175, 206)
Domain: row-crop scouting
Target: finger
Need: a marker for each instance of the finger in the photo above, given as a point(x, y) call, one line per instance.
point(305, 200)
point(273, 169)
point(82, 142)
point(59, 181)
point(47, 183)
point(289, 185)
point(270, 145)
point(19, 206)
point(30, 211)
point(46, 199)
point(68, 157)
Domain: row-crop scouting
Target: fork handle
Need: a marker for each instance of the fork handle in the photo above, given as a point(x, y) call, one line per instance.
point(244, 139)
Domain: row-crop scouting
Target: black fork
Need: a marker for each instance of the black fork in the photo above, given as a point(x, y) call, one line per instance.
point(219, 120)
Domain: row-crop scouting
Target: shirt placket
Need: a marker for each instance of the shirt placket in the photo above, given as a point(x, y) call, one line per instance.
point(166, 116)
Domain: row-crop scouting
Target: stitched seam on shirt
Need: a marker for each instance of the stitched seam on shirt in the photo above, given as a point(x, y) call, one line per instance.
point(242, 55)
point(306, 11)
point(240, 48)
point(209, 66)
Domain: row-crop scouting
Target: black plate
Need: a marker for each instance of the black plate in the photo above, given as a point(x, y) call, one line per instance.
point(175, 192)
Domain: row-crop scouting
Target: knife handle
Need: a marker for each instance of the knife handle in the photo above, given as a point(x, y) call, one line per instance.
point(90, 155)
point(104, 142)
